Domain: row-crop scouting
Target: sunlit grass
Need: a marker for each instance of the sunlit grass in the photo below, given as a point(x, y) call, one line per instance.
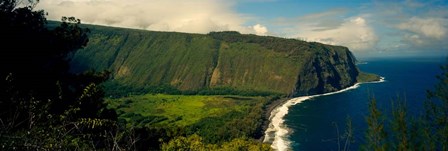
point(180, 110)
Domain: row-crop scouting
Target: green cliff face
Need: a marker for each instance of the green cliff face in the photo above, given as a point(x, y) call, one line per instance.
point(330, 69)
point(143, 59)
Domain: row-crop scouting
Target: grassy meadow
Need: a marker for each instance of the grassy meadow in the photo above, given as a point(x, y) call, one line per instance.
point(180, 110)
point(215, 118)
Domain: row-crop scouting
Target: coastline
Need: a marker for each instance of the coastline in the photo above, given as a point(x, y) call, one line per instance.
point(268, 113)
point(274, 129)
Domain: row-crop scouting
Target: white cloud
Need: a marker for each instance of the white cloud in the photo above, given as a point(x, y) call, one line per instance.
point(193, 16)
point(332, 27)
point(260, 29)
point(326, 14)
point(354, 33)
point(413, 25)
point(414, 39)
point(429, 27)
point(404, 25)
point(322, 21)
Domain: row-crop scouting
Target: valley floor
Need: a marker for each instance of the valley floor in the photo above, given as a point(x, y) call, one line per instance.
point(216, 119)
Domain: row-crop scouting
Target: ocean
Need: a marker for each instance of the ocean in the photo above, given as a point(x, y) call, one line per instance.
point(315, 122)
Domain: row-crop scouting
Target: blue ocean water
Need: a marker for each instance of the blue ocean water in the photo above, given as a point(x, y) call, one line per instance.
point(315, 123)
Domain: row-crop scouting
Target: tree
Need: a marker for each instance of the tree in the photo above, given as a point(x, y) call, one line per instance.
point(437, 110)
point(428, 131)
point(376, 135)
point(195, 143)
point(42, 104)
point(347, 135)
point(400, 126)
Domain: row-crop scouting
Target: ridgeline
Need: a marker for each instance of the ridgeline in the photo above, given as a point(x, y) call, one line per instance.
point(214, 63)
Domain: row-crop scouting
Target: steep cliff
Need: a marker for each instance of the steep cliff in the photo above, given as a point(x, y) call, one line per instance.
point(331, 69)
point(193, 62)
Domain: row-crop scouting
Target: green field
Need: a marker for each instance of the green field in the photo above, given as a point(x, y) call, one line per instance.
point(180, 110)
point(215, 118)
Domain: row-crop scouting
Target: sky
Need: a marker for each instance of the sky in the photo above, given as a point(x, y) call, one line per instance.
point(381, 28)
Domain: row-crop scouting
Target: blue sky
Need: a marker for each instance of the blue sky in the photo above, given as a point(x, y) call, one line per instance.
point(368, 28)
point(293, 8)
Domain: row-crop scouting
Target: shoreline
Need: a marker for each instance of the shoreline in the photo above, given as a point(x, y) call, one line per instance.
point(268, 113)
point(273, 128)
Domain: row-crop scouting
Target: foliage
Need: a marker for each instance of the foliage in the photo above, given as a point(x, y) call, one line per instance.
point(437, 111)
point(231, 125)
point(220, 63)
point(348, 135)
point(291, 46)
point(43, 106)
point(195, 143)
point(428, 131)
point(114, 90)
point(367, 77)
point(400, 127)
point(376, 135)
point(216, 119)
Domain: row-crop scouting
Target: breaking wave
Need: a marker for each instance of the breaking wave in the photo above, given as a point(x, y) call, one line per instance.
point(277, 132)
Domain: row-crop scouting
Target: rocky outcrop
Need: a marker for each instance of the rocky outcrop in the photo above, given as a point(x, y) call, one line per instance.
point(328, 70)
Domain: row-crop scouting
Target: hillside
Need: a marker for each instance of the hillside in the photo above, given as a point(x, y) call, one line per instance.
point(142, 60)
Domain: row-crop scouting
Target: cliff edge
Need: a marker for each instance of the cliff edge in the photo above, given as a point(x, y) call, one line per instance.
point(228, 61)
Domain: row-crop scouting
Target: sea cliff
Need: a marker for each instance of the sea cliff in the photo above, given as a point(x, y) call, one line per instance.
point(216, 63)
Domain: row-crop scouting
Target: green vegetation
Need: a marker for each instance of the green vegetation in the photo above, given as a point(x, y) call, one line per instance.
point(143, 62)
point(194, 142)
point(180, 110)
point(42, 105)
point(375, 134)
point(45, 107)
point(216, 119)
point(428, 131)
point(367, 77)
point(229, 78)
